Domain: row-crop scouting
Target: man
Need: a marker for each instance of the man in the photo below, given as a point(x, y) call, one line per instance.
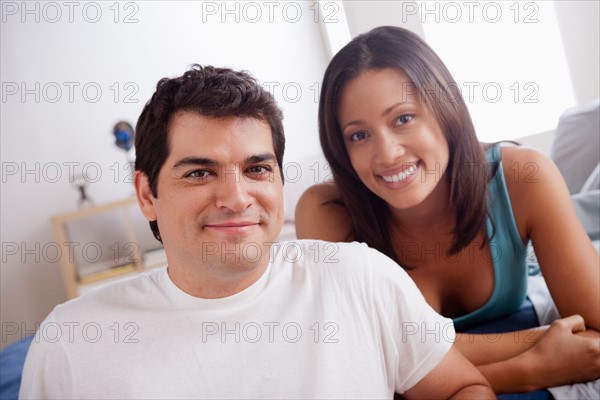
point(236, 315)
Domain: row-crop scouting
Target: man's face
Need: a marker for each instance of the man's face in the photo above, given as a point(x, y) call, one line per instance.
point(220, 197)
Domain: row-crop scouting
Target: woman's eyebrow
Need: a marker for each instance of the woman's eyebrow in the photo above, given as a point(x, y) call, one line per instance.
point(392, 107)
point(383, 114)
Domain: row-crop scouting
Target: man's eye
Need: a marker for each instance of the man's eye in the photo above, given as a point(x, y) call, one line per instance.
point(199, 173)
point(259, 169)
point(403, 119)
point(356, 136)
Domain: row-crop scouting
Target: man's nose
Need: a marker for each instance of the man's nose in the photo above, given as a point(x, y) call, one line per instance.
point(233, 192)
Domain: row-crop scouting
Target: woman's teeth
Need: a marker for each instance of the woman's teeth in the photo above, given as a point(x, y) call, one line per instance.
point(401, 176)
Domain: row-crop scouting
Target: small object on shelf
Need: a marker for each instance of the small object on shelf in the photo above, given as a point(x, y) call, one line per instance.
point(79, 181)
point(123, 133)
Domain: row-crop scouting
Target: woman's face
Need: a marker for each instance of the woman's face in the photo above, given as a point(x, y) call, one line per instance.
point(394, 142)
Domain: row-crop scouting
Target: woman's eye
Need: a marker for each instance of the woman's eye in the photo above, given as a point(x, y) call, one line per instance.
point(403, 119)
point(356, 136)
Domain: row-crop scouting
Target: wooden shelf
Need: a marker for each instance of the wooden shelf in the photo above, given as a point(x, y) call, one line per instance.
point(102, 244)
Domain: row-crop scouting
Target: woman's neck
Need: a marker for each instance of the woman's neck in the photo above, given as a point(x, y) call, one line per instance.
point(434, 216)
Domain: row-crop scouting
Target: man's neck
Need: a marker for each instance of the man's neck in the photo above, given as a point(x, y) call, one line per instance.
point(215, 280)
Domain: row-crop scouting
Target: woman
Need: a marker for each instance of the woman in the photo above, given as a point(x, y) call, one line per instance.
point(412, 181)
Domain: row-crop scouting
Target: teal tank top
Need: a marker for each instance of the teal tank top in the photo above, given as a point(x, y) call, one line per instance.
point(508, 253)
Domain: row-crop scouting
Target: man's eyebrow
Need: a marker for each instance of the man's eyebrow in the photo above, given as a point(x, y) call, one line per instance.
point(258, 158)
point(187, 161)
point(209, 162)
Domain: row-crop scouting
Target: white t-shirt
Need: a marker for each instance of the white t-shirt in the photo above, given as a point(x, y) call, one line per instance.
point(325, 320)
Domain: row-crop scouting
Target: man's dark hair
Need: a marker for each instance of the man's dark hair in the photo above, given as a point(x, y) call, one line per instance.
point(208, 91)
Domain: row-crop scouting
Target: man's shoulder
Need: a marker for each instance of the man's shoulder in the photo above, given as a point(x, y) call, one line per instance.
point(122, 294)
point(342, 257)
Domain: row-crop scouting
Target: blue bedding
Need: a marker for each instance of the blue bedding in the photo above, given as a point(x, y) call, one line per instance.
point(12, 359)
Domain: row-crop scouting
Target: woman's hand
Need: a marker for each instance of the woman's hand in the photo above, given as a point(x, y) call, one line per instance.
point(565, 354)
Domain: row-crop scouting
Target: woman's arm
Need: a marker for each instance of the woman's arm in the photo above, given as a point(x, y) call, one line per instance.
point(522, 361)
point(489, 348)
point(545, 215)
point(319, 215)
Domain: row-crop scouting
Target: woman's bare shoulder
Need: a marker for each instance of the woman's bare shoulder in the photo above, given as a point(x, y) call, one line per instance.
point(523, 169)
point(320, 214)
point(531, 178)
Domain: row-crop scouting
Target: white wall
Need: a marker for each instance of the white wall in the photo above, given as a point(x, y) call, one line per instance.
point(580, 32)
point(363, 16)
point(578, 21)
point(42, 130)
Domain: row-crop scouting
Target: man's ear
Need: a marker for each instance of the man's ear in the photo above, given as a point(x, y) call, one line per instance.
point(144, 195)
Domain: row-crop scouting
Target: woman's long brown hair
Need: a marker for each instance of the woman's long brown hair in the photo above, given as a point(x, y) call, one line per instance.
point(393, 47)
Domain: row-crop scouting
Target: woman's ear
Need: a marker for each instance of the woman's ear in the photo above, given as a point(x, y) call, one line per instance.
point(144, 195)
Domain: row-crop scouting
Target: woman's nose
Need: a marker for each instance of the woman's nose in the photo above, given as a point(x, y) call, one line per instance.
point(389, 148)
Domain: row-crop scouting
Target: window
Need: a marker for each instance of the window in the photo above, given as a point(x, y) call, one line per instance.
point(508, 59)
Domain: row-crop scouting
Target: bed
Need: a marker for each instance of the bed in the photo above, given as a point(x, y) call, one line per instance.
point(11, 365)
